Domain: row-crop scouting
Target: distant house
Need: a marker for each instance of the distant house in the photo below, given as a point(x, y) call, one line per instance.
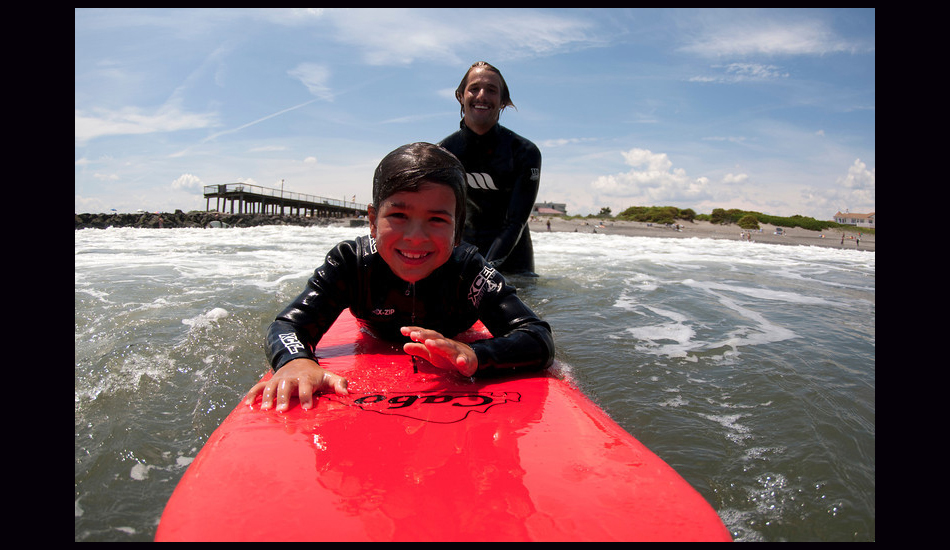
point(549, 209)
point(853, 218)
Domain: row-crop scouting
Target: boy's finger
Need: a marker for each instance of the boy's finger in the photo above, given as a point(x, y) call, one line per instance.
point(305, 393)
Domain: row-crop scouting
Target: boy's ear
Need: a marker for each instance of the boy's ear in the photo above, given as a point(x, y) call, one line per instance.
point(371, 214)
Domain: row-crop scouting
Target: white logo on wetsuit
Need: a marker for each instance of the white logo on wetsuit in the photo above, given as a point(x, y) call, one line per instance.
point(480, 180)
point(291, 342)
point(482, 284)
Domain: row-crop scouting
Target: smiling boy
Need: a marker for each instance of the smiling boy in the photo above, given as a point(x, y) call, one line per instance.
point(411, 279)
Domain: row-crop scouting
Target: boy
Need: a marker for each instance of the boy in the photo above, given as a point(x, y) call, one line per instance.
point(412, 277)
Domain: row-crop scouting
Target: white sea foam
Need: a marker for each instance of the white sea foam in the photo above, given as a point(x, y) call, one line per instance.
point(207, 318)
point(734, 431)
point(754, 292)
point(169, 325)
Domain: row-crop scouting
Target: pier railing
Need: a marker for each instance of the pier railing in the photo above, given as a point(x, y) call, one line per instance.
point(251, 198)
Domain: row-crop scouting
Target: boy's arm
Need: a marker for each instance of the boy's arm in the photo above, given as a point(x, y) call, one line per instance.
point(522, 340)
point(298, 328)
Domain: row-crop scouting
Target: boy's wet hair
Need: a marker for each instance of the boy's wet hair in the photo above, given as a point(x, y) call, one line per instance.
point(409, 166)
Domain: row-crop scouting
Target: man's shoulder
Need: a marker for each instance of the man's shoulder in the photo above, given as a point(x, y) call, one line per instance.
point(452, 140)
point(517, 139)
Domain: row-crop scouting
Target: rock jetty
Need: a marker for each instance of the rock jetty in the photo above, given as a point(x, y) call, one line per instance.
point(156, 220)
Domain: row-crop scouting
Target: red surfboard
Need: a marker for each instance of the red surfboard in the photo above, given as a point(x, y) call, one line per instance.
point(431, 456)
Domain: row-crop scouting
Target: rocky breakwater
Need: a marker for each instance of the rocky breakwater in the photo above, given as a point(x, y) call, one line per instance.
point(157, 220)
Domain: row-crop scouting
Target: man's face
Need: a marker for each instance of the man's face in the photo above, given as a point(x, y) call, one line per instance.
point(481, 99)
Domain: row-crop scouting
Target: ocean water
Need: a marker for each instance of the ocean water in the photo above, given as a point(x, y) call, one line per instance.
point(747, 367)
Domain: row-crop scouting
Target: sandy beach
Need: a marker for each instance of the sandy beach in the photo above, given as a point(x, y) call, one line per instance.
point(830, 238)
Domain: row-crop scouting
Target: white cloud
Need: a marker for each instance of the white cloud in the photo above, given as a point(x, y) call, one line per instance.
point(267, 148)
point(855, 191)
point(187, 181)
point(132, 121)
point(314, 77)
point(642, 157)
point(399, 36)
point(658, 182)
point(744, 72)
point(852, 192)
point(859, 177)
point(745, 36)
point(563, 141)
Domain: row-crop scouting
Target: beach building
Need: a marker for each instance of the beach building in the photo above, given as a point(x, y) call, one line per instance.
point(853, 218)
point(549, 209)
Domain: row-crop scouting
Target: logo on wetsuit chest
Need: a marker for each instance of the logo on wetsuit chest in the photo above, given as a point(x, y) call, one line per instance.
point(480, 180)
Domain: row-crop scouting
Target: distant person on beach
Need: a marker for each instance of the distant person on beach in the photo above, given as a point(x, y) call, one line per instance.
point(411, 280)
point(503, 171)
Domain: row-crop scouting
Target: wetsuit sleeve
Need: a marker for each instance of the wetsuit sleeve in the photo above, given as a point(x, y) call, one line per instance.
point(298, 328)
point(525, 191)
point(521, 339)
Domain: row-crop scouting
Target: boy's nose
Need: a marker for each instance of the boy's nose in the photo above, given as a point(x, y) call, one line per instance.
point(415, 231)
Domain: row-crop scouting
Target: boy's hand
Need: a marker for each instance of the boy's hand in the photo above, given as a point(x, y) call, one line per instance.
point(442, 352)
point(304, 376)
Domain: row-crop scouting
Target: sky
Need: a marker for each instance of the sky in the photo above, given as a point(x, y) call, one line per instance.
point(769, 110)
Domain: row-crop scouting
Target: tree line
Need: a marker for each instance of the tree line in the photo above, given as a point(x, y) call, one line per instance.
point(743, 218)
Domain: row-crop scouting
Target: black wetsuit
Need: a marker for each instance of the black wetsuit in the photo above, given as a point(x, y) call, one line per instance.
point(503, 171)
point(449, 300)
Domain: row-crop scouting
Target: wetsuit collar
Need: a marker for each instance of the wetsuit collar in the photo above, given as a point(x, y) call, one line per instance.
point(491, 136)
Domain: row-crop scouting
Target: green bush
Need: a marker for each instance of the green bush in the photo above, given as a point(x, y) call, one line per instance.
point(748, 222)
point(656, 214)
point(744, 219)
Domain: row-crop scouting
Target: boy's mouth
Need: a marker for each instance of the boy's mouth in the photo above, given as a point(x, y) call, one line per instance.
point(413, 256)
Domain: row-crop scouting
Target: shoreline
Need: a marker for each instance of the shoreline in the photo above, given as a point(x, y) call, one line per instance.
point(795, 236)
point(696, 229)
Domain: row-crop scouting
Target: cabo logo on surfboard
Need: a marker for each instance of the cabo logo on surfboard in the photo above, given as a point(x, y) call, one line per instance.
point(438, 407)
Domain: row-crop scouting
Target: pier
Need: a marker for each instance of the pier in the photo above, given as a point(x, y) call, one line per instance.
point(254, 199)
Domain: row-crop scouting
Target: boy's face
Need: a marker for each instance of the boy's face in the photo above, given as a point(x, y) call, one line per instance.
point(415, 230)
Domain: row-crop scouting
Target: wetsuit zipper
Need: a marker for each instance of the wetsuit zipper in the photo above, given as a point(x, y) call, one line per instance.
point(412, 320)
